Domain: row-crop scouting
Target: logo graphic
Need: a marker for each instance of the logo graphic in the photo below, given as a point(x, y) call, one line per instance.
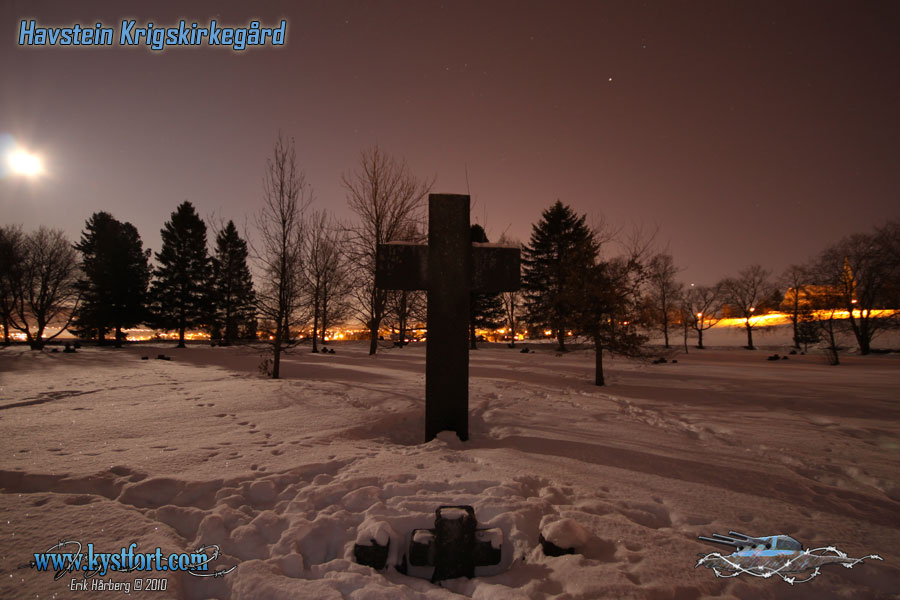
point(773, 555)
point(67, 556)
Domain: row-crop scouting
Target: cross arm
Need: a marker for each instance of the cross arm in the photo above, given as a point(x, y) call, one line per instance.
point(495, 268)
point(404, 266)
point(401, 266)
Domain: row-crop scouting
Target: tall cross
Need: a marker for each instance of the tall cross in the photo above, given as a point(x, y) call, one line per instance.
point(450, 268)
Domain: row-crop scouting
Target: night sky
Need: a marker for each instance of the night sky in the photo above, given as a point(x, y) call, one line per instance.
point(748, 131)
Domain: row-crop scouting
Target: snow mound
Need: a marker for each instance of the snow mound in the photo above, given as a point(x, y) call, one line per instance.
point(494, 536)
point(565, 533)
point(374, 530)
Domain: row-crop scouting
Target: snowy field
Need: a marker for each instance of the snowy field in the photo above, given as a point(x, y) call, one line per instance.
point(102, 447)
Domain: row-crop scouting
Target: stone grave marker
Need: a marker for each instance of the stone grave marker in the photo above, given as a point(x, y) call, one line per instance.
point(450, 267)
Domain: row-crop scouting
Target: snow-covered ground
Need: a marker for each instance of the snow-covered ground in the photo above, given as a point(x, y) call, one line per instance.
point(102, 447)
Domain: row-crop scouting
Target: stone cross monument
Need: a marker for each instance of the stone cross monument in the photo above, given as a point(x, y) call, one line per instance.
point(450, 268)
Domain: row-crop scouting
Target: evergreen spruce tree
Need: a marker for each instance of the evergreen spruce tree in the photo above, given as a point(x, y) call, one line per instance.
point(181, 295)
point(561, 249)
point(115, 275)
point(485, 310)
point(232, 286)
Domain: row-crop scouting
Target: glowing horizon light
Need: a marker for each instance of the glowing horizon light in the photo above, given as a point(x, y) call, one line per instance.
point(25, 163)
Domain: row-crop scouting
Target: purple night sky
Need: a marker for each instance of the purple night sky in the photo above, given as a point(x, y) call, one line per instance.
point(748, 131)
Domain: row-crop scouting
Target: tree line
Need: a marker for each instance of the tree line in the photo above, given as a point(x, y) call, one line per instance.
point(579, 281)
point(577, 285)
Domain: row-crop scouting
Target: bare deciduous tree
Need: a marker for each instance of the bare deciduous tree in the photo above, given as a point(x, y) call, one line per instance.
point(866, 273)
point(746, 294)
point(325, 273)
point(12, 243)
point(387, 200)
point(511, 302)
point(795, 280)
point(337, 286)
point(43, 288)
point(702, 306)
point(824, 305)
point(404, 309)
point(684, 321)
point(281, 230)
point(664, 292)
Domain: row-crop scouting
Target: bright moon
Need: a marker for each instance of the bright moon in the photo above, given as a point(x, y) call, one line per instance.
point(23, 163)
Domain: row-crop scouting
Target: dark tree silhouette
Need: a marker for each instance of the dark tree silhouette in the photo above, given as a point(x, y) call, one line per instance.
point(326, 274)
point(608, 311)
point(825, 304)
point(795, 280)
point(485, 310)
point(232, 287)
point(387, 200)
point(747, 294)
point(180, 290)
point(404, 309)
point(115, 274)
point(337, 285)
point(665, 292)
point(43, 286)
point(808, 329)
point(865, 273)
point(562, 248)
point(12, 243)
point(511, 302)
point(702, 307)
point(281, 224)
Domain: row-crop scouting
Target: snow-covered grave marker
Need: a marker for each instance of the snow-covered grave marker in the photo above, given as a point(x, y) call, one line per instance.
point(449, 268)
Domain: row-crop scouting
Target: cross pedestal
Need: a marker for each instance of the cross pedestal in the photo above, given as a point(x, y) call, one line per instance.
point(449, 268)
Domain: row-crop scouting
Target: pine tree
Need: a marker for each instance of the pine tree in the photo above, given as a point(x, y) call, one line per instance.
point(561, 248)
point(232, 286)
point(485, 310)
point(115, 275)
point(181, 286)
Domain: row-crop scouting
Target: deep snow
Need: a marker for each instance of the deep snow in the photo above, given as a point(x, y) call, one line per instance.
point(285, 476)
